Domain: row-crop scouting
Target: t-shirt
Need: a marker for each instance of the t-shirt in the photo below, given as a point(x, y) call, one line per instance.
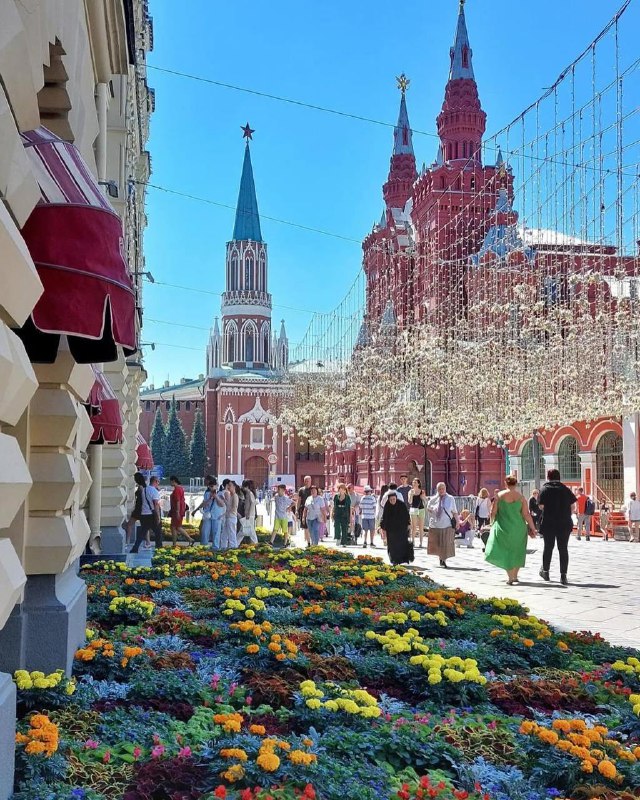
point(178, 504)
point(149, 495)
point(231, 502)
point(218, 511)
point(581, 502)
point(556, 500)
point(342, 508)
point(315, 507)
point(368, 506)
point(282, 504)
point(404, 493)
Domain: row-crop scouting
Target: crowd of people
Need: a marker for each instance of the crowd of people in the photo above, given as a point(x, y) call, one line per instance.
point(402, 515)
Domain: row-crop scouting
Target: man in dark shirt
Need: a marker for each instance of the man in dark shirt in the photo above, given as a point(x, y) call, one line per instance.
point(404, 489)
point(556, 502)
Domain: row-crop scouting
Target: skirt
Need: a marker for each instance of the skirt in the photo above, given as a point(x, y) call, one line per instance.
point(441, 543)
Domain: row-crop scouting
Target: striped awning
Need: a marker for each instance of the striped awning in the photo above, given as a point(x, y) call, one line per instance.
point(77, 244)
point(104, 409)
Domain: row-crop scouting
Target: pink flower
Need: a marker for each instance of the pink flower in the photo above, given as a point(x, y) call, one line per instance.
point(106, 757)
point(91, 744)
point(157, 751)
point(336, 629)
point(233, 687)
point(137, 752)
point(156, 738)
point(184, 752)
point(249, 700)
point(215, 680)
point(492, 725)
point(218, 698)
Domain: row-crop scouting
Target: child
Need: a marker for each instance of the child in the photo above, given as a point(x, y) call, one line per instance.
point(282, 505)
point(604, 521)
point(291, 518)
point(467, 528)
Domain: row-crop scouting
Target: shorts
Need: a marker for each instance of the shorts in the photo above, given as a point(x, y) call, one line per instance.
point(416, 512)
point(368, 524)
point(281, 526)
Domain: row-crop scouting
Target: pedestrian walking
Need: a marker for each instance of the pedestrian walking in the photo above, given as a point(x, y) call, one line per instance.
point(314, 515)
point(383, 493)
point(396, 525)
point(556, 501)
point(281, 503)
point(368, 508)
point(604, 521)
point(534, 508)
point(149, 513)
point(248, 520)
point(356, 525)
point(443, 521)
point(130, 525)
point(341, 515)
point(154, 483)
point(482, 510)
point(304, 492)
point(228, 535)
point(633, 516)
point(177, 507)
point(584, 520)
point(510, 517)
point(417, 502)
point(404, 489)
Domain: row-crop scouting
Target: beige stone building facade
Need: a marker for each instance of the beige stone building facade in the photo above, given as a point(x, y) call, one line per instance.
point(74, 120)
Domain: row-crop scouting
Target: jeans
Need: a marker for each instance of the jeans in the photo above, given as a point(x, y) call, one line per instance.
point(341, 529)
point(210, 532)
point(561, 539)
point(584, 520)
point(314, 530)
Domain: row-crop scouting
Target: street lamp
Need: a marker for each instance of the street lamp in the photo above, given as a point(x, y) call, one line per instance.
point(112, 188)
point(149, 276)
point(152, 345)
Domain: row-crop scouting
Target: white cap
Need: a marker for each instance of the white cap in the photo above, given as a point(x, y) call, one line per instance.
point(368, 489)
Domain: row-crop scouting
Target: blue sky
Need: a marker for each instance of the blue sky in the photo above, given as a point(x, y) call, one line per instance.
point(315, 169)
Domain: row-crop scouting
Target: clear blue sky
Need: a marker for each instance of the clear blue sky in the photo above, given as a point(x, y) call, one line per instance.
point(312, 168)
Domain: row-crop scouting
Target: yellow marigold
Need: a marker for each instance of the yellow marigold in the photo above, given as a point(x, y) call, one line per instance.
point(252, 648)
point(527, 727)
point(300, 757)
point(586, 766)
point(607, 769)
point(234, 752)
point(269, 762)
point(259, 730)
point(35, 748)
point(281, 657)
point(233, 774)
point(563, 646)
point(550, 737)
point(561, 725)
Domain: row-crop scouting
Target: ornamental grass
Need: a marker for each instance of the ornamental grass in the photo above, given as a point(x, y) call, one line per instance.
point(311, 674)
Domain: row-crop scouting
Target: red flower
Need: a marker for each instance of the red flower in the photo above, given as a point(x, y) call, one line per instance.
point(309, 792)
point(220, 792)
point(460, 794)
point(246, 795)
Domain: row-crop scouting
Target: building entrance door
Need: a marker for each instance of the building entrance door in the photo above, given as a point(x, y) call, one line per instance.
point(609, 467)
point(256, 469)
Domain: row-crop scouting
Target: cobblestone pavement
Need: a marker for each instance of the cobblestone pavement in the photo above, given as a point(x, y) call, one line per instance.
point(603, 595)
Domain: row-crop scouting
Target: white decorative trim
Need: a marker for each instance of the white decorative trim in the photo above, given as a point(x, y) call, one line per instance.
point(257, 415)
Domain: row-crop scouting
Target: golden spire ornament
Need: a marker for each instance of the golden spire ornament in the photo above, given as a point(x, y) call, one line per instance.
point(403, 82)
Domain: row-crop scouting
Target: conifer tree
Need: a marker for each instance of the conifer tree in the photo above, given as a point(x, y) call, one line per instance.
point(197, 448)
point(176, 455)
point(158, 439)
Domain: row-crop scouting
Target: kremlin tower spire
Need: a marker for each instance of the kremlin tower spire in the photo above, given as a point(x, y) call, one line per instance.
point(247, 224)
point(462, 122)
point(402, 169)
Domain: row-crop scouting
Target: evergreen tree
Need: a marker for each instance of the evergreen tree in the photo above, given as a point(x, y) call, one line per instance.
point(176, 455)
point(197, 448)
point(158, 439)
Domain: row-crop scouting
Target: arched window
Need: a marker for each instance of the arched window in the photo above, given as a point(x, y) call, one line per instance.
point(232, 344)
point(248, 272)
point(265, 343)
point(233, 277)
point(465, 58)
point(187, 405)
point(442, 182)
point(464, 149)
point(528, 466)
point(610, 467)
point(568, 459)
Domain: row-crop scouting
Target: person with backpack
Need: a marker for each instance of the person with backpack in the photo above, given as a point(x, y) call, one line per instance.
point(589, 511)
point(149, 512)
point(584, 520)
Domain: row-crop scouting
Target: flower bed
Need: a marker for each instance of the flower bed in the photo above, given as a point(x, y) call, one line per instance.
point(262, 674)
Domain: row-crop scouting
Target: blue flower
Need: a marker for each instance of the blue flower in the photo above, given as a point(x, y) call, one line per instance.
point(78, 794)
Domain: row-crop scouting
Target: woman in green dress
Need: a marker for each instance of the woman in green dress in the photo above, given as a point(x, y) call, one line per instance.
point(510, 518)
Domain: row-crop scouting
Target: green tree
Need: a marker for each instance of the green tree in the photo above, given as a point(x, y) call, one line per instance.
point(158, 439)
point(176, 455)
point(197, 448)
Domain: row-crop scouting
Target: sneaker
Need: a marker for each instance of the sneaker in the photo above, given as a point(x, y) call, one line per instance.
point(544, 574)
point(563, 580)
point(443, 564)
point(588, 538)
point(579, 538)
point(365, 544)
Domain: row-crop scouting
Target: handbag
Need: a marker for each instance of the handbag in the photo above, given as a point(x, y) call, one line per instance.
point(411, 555)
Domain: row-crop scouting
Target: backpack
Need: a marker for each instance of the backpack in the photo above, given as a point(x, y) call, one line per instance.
point(590, 508)
point(241, 504)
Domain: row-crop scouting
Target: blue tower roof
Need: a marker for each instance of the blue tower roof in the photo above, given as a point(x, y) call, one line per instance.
point(402, 139)
point(461, 53)
point(247, 224)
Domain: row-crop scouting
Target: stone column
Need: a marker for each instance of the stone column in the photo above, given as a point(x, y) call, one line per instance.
point(48, 625)
point(114, 466)
point(135, 378)
point(630, 449)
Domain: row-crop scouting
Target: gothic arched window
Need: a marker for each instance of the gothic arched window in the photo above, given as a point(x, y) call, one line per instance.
point(248, 272)
point(232, 344)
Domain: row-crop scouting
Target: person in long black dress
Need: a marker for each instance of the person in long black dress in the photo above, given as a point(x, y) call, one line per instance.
point(395, 525)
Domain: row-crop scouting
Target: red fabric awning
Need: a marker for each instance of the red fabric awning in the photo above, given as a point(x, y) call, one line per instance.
point(144, 457)
point(104, 410)
point(76, 241)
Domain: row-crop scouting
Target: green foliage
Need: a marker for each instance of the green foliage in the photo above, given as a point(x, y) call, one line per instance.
point(176, 459)
point(197, 449)
point(158, 441)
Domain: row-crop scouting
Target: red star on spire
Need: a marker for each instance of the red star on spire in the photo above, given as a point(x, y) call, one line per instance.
point(247, 132)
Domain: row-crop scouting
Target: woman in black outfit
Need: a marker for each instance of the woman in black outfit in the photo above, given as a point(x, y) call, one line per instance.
point(556, 501)
point(534, 509)
point(144, 510)
point(395, 525)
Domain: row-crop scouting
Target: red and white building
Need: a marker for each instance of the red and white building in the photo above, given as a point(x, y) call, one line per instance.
point(441, 230)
